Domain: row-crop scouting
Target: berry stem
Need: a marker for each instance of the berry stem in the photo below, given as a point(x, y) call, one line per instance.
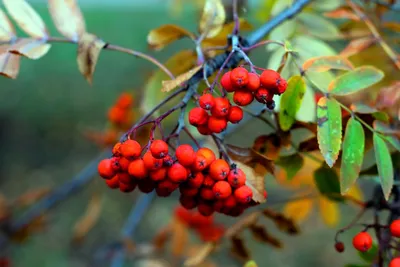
point(262, 43)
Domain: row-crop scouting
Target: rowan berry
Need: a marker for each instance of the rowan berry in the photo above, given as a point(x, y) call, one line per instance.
point(208, 154)
point(254, 82)
point(124, 101)
point(205, 209)
point(207, 193)
point(339, 246)
point(219, 205)
point(395, 228)
point(200, 163)
point(165, 188)
point(236, 211)
point(163, 192)
point(263, 95)
point(395, 262)
point(116, 150)
point(243, 194)
point(204, 130)
point(217, 125)
point(124, 164)
point(198, 220)
point(196, 180)
point(151, 163)
point(188, 202)
point(137, 169)
point(282, 85)
point(116, 115)
point(130, 149)
point(226, 82)
point(105, 169)
point(208, 181)
point(269, 79)
point(188, 191)
point(222, 190)
point(183, 215)
point(230, 202)
point(146, 185)
point(113, 183)
point(206, 101)
point(221, 107)
point(125, 178)
point(158, 175)
point(239, 77)
point(235, 114)
point(219, 169)
point(177, 173)
point(167, 161)
point(236, 177)
point(198, 116)
point(159, 149)
point(362, 241)
point(126, 188)
point(185, 155)
point(265, 194)
point(115, 164)
point(242, 97)
point(211, 234)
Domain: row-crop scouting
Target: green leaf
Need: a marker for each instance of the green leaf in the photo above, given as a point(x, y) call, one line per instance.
point(327, 182)
point(383, 127)
point(382, 116)
point(369, 255)
point(318, 26)
point(329, 129)
point(353, 153)
point(325, 63)
point(384, 163)
point(291, 102)
point(292, 164)
point(394, 141)
point(362, 108)
point(356, 80)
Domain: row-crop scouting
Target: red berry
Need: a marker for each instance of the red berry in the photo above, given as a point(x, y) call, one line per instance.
point(206, 101)
point(219, 169)
point(263, 96)
point(200, 163)
point(159, 149)
point(282, 85)
point(130, 149)
point(168, 161)
point(113, 183)
point(204, 130)
point(125, 178)
point(243, 98)
point(217, 125)
point(158, 175)
point(188, 191)
point(115, 164)
point(254, 82)
point(236, 211)
point(395, 228)
point(124, 101)
point(230, 202)
point(185, 155)
point(196, 180)
point(105, 169)
point(200, 221)
point(205, 209)
point(265, 194)
point(208, 181)
point(269, 78)
point(126, 188)
point(235, 114)
point(219, 205)
point(226, 82)
point(395, 262)
point(198, 116)
point(236, 177)
point(116, 150)
point(207, 193)
point(339, 246)
point(222, 190)
point(188, 202)
point(151, 163)
point(146, 186)
point(221, 107)
point(166, 187)
point(177, 173)
point(124, 164)
point(362, 241)
point(243, 194)
point(211, 234)
point(208, 154)
point(137, 169)
point(239, 77)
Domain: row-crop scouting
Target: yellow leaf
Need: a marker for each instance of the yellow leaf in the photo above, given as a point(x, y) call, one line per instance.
point(298, 210)
point(355, 192)
point(30, 48)
point(26, 18)
point(89, 48)
point(179, 81)
point(220, 38)
point(9, 63)
point(329, 211)
point(200, 256)
point(179, 239)
point(67, 18)
point(166, 34)
point(7, 31)
point(213, 18)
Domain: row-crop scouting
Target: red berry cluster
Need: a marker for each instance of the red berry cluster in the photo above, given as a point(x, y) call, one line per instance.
point(120, 114)
point(214, 113)
point(204, 182)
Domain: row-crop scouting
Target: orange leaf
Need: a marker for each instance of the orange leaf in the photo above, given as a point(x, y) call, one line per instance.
point(357, 45)
point(342, 13)
point(164, 35)
point(30, 48)
point(7, 31)
point(9, 63)
point(170, 85)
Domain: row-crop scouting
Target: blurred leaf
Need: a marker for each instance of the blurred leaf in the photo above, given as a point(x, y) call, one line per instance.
point(239, 249)
point(329, 211)
point(89, 219)
point(291, 102)
point(263, 13)
point(9, 63)
point(369, 255)
point(325, 63)
point(291, 164)
point(329, 131)
point(280, 6)
point(389, 96)
point(254, 181)
point(384, 163)
point(326, 5)
point(384, 128)
point(179, 239)
point(327, 181)
point(357, 45)
point(5, 211)
point(242, 224)
point(381, 116)
point(26, 18)
point(213, 18)
point(170, 85)
point(283, 32)
point(357, 265)
point(38, 224)
point(220, 38)
point(67, 18)
point(200, 256)
point(342, 13)
point(394, 141)
point(30, 48)
point(7, 31)
point(31, 196)
point(269, 146)
point(251, 263)
point(260, 234)
point(89, 48)
point(318, 26)
point(391, 25)
point(283, 222)
point(166, 34)
point(162, 237)
point(362, 108)
point(353, 154)
point(298, 210)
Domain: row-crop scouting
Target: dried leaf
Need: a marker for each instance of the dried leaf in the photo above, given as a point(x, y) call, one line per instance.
point(179, 239)
point(36, 225)
point(239, 249)
point(165, 34)
point(26, 18)
point(89, 48)
point(325, 63)
point(89, 219)
point(254, 181)
point(213, 18)
point(31, 196)
point(168, 86)
point(9, 63)
point(283, 223)
point(7, 31)
point(342, 13)
point(249, 156)
point(162, 237)
point(201, 255)
point(30, 48)
point(260, 234)
point(67, 18)
point(357, 45)
point(242, 224)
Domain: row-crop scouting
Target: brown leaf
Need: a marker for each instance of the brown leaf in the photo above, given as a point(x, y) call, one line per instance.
point(36, 225)
point(89, 219)
point(249, 156)
point(309, 145)
point(357, 45)
point(26, 18)
point(260, 234)
point(239, 249)
point(242, 224)
point(255, 181)
point(342, 13)
point(165, 34)
point(89, 48)
point(30, 48)
point(283, 223)
point(9, 63)
point(179, 239)
point(201, 255)
point(67, 18)
point(213, 18)
point(5, 211)
point(162, 237)
point(168, 86)
point(391, 25)
point(7, 31)
point(31, 196)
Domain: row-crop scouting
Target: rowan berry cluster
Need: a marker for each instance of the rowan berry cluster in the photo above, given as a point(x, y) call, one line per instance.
point(214, 113)
point(121, 114)
point(204, 181)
